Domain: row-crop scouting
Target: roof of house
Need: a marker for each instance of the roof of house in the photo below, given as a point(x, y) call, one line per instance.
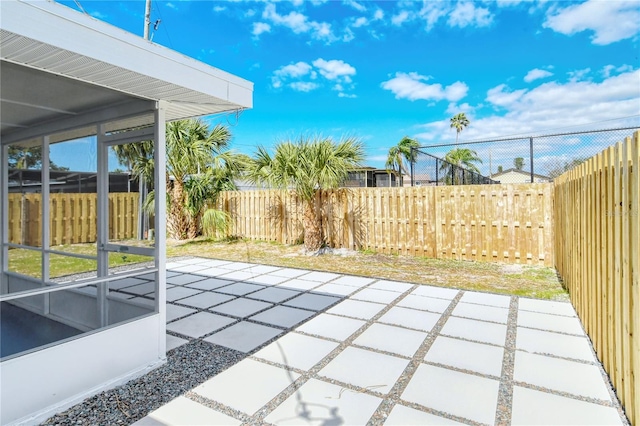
point(79, 70)
point(522, 172)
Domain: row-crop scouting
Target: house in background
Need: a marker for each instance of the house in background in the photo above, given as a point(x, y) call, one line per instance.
point(519, 176)
point(70, 80)
point(370, 177)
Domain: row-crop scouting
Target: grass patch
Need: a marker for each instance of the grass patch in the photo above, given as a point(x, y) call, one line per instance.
point(524, 280)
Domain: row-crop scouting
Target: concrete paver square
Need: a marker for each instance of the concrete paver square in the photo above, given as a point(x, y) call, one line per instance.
point(238, 275)
point(209, 284)
point(321, 277)
point(289, 273)
point(532, 407)
point(391, 286)
point(174, 342)
point(373, 295)
point(481, 312)
point(561, 375)
point(262, 269)
point(189, 268)
point(550, 322)
point(183, 411)
point(241, 307)
point(141, 289)
point(199, 324)
point(496, 300)
point(364, 368)
point(283, 316)
point(332, 289)
point(401, 415)
point(193, 261)
point(484, 359)
point(465, 395)
point(314, 302)
point(547, 342)
point(213, 272)
point(425, 303)
point(125, 282)
point(546, 307)
point(267, 279)
point(184, 279)
point(212, 263)
point(410, 318)
point(479, 331)
point(175, 312)
point(298, 284)
point(205, 300)
point(331, 326)
point(437, 292)
point(321, 403)
point(243, 336)
point(176, 293)
point(356, 309)
point(273, 294)
point(239, 289)
point(247, 386)
point(297, 350)
point(236, 266)
point(391, 339)
point(352, 281)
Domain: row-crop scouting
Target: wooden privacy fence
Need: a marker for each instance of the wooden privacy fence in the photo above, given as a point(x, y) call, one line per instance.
point(598, 255)
point(505, 223)
point(72, 218)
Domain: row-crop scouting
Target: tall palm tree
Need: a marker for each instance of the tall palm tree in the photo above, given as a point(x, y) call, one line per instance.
point(398, 154)
point(459, 159)
point(459, 122)
point(306, 166)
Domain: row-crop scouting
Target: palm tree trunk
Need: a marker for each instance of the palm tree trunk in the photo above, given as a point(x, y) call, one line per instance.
point(312, 228)
point(177, 222)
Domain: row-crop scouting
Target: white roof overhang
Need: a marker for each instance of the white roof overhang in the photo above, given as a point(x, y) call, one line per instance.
point(62, 72)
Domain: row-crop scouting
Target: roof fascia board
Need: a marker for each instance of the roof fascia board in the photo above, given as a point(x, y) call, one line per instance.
point(103, 115)
point(67, 29)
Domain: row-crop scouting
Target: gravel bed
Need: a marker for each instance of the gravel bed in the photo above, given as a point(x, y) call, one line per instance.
point(187, 367)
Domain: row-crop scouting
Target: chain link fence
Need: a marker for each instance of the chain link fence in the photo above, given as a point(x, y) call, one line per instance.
point(539, 158)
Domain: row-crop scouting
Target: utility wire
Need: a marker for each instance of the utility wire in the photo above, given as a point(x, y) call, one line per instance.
point(157, 8)
point(77, 2)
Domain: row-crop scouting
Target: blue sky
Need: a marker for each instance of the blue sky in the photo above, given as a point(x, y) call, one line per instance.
point(383, 70)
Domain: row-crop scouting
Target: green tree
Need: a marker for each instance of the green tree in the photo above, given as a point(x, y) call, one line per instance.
point(500, 169)
point(306, 166)
point(199, 167)
point(459, 122)
point(29, 158)
point(556, 167)
point(398, 154)
point(456, 161)
point(518, 163)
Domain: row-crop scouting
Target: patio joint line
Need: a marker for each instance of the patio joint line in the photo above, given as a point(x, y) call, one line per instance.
point(395, 393)
point(565, 394)
point(505, 389)
point(312, 373)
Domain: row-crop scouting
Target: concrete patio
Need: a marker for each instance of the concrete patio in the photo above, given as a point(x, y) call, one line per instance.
point(330, 349)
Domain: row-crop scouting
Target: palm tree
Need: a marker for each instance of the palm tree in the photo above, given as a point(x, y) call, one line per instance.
point(459, 122)
point(307, 166)
point(199, 167)
point(405, 150)
point(518, 163)
point(456, 161)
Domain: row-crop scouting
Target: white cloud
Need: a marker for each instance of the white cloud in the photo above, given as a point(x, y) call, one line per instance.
point(354, 4)
point(400, 18)
point(610, 21)
point(412, 86)
point(99, 15)
point(378, 15)
point(260, 27)
point(219, 9)
point(432, 12)
point(455, 108)
point(305, 77)
point(360, 22)
point(347, 95)
point(578, 74)
point(467, 14)
point(608, 70)
point(550, 106)
point(536, 74)
point(335, 69)
point(299, 23)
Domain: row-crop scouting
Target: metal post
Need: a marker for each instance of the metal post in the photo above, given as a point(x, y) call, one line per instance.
point(531, 156)
point(412, 153)
point(437, 172)
point(453, 174)
point(147, 19)
point(160, 162)
point(4, 217)
point(102, 186)
point(46, 230)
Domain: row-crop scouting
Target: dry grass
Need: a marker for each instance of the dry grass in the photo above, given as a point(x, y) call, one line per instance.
point(520, 280)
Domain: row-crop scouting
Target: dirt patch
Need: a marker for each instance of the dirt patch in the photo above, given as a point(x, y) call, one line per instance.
point(520, 280)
